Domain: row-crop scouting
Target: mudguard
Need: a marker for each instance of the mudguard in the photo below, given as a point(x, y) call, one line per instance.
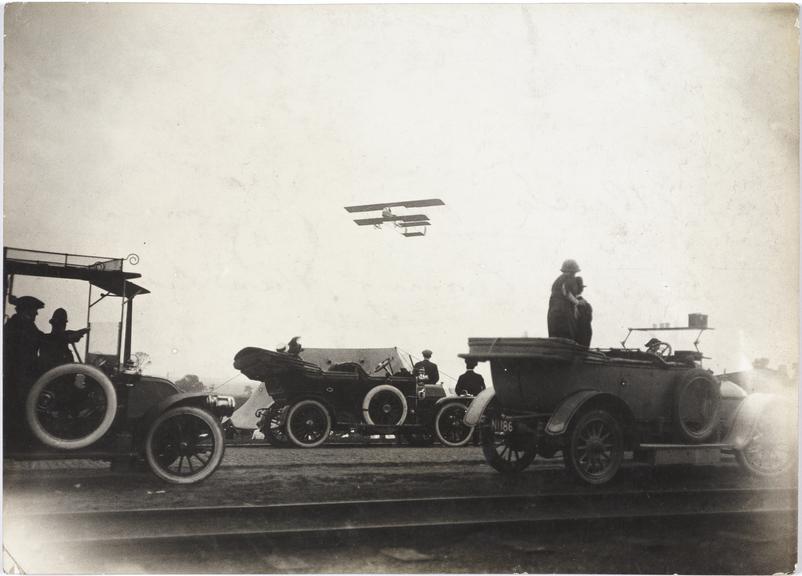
point(746, 417)
point(462, 399)
point(477, 407)
point(182, 398)
point(558, 423)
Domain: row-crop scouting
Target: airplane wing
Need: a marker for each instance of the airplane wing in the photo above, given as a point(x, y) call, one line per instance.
point(416, 218)
point(405, 204)
point(411, 224)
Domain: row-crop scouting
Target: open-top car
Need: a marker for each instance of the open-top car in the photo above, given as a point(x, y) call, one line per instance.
point(311, 403)
point(552, 395)
point(99, 406)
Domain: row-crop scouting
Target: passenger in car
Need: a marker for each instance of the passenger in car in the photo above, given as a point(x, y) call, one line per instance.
point(21, 341)
point(55, 348)
point(470, 383)
point(563, 311)
point(584, 330)
point(428, 368)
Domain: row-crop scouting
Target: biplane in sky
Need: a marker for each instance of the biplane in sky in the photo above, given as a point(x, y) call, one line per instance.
point(408, 224)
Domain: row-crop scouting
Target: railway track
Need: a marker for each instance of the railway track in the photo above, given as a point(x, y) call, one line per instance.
point(143, 527)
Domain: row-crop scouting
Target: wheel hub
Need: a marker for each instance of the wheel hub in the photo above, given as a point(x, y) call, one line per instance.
point(386, 408)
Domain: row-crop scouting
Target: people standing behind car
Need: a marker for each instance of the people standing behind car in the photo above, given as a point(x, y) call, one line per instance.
point(470, 383)
point(584, 330)
point(563, 302)
point(21, 341)
point(55, 348)
point(427, 368)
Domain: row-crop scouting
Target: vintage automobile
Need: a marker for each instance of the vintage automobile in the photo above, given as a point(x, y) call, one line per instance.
point(552, 395)
point(311, 404)
point(99, 407)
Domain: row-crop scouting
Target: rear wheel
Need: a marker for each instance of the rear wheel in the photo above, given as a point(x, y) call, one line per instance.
point(595, 447)
point(508, 452)
point(184, 445)
point(449, 427)
point(308, 424)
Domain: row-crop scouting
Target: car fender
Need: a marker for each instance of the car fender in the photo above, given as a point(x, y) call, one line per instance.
point(477, 407)
point(182, 398)
point(558, 423)
point(746, 417)
point(461, 399)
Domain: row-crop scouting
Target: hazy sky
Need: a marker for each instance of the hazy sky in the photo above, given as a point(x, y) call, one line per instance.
point(657, 145)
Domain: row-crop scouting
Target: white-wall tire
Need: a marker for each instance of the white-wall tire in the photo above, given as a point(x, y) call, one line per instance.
point(311, 432)
point(31, 413)
point(391, 394)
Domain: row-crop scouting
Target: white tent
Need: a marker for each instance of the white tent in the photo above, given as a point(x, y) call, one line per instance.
point(245, 416)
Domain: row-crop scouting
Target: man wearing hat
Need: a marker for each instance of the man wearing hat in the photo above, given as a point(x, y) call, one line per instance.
point(470, 383)
point(21, 341)
point(55, 348)
point(563, 302)
point(584, 331)
point(427, 367)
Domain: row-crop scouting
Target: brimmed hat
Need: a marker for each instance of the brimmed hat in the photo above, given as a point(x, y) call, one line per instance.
point(426, 353)
point(26, 302)
point(59, 316)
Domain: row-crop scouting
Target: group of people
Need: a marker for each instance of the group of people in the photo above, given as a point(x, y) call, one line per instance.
point(570, 315)
point(28, 352)
point(470, 383)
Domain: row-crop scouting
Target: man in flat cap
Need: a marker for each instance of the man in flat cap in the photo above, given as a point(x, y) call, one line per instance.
point(428, 368)
point(584, 318)
point(21, 341)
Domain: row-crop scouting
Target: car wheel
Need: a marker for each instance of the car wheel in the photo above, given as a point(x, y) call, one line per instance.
point(595, 447)
point(697, 403)
point(272, 427)
point(308, 424)
point(508, 453)
point(771, 451)
point(184, 445)
point(449, 427)
point(71, 406)
point(419, 439)
point(384, 405)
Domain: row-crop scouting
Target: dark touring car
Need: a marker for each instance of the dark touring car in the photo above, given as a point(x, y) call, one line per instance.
point(552, 395)
point(311, 404)
point(103, 408)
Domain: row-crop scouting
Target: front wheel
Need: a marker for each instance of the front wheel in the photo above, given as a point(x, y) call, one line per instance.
point(308, 424)
point(595, 447)
point(184, 445)
point(449, 427)
point(510, 452)
point(271, 427)
point(771, 450)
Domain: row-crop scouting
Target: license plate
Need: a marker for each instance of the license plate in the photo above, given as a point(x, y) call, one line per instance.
point(503, 425)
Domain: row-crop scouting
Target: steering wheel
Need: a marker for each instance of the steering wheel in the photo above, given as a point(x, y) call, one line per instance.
point(662, 349)
point(383, 365)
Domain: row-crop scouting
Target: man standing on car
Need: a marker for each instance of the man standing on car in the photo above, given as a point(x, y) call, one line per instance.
point(563, 302)
point(428, 368)
point(584, 331)
point(470, 383)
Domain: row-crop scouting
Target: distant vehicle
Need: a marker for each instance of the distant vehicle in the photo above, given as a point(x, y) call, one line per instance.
point(552, 395)
point(311, 404)
point(103, 408)
point(410, 225)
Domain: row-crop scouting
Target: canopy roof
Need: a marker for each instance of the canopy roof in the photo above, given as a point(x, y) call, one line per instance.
point(104, 272)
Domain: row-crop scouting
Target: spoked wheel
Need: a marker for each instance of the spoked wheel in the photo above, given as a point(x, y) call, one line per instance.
point(71, 406)
point(419, 439)
point(449, 427)
point(271, 427)
point(595, 447)
point(771, 451)
point(384, 405)
point(184, 445)
point(308, 424)
point(509, 452)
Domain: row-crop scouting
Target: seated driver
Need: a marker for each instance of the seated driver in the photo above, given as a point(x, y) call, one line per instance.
point(656, 347)
point(55, 347)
